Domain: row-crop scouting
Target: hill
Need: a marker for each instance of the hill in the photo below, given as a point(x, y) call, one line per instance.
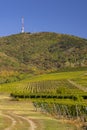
point(62, 95)
point(42, 52)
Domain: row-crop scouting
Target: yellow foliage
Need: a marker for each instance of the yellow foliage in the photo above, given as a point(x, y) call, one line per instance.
point(6, 73)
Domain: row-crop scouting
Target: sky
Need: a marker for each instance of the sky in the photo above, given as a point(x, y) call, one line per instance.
point(60, 16)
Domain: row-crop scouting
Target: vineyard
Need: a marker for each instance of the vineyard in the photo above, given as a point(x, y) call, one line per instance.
point(82, 81)
point(61, 109)
point(43, 82)
point(59, 95)
point(48, 89)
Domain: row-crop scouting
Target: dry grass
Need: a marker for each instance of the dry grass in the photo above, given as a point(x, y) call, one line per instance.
point(21, 115)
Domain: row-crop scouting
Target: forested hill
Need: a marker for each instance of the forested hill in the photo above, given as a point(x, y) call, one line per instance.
point(42, 52)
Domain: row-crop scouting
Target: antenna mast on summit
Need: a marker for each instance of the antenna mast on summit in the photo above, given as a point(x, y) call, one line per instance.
point(22, 29)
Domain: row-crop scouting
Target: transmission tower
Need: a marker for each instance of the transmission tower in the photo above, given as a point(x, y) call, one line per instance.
point(22, 29)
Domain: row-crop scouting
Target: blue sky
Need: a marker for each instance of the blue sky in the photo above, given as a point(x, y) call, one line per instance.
point(61, 16)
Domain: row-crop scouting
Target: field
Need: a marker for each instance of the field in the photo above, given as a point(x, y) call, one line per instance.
point(37, 102)
point(21, 115)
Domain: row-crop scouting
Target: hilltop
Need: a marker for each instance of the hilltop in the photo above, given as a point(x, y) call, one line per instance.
point(42, 52)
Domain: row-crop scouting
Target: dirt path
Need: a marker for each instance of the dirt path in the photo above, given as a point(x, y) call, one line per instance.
point(18, 120)
point(13, 121)
point(77, 85)
point(21, 115)
point(31, 123)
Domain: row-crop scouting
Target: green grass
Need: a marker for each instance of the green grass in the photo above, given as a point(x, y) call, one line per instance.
point(56, 125)
point(81, 81)
point(50, 81)
point(52, 76)
point(58, 76)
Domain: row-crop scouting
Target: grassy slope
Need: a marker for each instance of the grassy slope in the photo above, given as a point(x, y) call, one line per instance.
point(27, 110)
point(41, 52)
point(53, 76)
point(10, 112)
